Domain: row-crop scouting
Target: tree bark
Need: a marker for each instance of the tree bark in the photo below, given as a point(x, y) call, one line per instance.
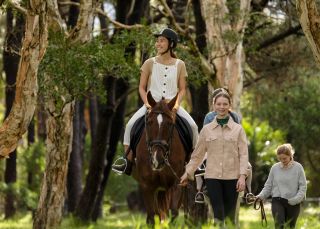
point(59, 135)
point(225, 32)
point(33, 49)
point(309, 19)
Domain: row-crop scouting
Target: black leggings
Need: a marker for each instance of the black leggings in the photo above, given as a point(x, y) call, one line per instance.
point(223, 197)
point(284, 214)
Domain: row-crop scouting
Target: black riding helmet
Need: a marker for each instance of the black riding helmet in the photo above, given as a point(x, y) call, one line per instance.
point(171, 35)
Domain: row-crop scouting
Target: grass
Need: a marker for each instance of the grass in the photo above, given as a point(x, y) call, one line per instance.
point(123, 219)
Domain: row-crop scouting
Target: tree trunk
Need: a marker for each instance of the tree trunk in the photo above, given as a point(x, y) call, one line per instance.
point(74, 185)
point(33, 49)
point(59, 136)
point(309, 19)
point(225, 25)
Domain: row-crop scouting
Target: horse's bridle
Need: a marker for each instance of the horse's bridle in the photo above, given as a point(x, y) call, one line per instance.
point(165, 145)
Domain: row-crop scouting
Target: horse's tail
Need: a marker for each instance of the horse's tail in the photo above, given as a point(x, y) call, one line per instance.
point(162, 199)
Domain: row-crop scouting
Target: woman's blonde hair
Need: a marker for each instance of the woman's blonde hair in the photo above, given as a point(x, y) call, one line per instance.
point(285, 149)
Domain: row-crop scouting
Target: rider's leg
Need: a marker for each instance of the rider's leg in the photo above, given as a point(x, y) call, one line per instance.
point(124, 164)
point(199, 198)
point(183, 113)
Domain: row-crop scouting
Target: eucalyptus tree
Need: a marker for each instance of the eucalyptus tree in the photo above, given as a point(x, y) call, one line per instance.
point(60, 109)
point(225, 27)
point(33, 49)
point(308, 12)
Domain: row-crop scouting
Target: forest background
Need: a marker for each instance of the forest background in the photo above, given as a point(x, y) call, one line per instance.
point(70, 72)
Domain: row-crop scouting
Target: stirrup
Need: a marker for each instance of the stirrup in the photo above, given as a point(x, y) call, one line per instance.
point(121, 161)
point(197, 195)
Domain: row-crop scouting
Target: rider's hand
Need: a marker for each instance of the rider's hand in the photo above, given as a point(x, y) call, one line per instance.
point(241, 184)
point(148, 107)
point(175, 109)
point(184, 179)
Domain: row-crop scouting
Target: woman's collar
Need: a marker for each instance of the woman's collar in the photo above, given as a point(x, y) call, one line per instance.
point(289, 165)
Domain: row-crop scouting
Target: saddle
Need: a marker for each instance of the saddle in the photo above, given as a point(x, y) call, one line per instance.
point(181, 124)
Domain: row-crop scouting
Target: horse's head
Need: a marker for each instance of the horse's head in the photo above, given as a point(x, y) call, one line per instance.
point(159, 130)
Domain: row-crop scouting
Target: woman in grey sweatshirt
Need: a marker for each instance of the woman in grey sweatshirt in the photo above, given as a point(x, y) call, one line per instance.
point(287, 186)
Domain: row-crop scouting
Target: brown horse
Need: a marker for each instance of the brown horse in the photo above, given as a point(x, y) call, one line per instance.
point(160, 161)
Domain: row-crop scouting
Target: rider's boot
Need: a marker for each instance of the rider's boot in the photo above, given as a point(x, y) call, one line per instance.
point(123, 165)
point(200, 170)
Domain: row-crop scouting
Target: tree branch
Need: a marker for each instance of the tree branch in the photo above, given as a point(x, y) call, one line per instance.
point(101, 12)
point(278, 37)
point(17, 6)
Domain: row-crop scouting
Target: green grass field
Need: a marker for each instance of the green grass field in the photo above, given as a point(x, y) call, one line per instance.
point(123, 219)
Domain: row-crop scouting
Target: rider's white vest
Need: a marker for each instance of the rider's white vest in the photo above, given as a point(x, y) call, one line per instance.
point(163, 81)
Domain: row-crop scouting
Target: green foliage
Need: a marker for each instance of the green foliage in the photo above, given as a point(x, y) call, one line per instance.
point(263, 140)
point(31, 163)
point(295, 109)
point(71, 70)
point(193, 65)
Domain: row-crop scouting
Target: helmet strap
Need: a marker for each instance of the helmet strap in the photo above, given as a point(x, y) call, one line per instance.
point(169, 48)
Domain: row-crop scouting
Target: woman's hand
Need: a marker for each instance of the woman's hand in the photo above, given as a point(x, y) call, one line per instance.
point(148, 107)
point(241, 184)
point(184, 179)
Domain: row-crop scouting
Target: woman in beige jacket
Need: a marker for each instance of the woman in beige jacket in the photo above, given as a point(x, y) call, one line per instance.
point(227, 159)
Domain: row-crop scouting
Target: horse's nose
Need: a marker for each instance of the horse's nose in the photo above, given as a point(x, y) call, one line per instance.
point(155, 160)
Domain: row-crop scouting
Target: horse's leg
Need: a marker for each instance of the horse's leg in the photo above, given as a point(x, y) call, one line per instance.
point(148, 198)
point(175, 201)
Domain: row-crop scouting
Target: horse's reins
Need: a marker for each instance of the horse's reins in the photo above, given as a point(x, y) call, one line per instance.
point(165, 145)
point(257, 205)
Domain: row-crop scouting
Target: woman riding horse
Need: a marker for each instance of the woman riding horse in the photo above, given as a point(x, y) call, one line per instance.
point(164, 76)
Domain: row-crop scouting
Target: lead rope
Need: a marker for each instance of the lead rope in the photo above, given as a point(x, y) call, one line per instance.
point(257, 205)
point(166, 161)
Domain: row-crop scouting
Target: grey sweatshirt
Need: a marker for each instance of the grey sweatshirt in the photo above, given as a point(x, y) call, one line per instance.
point(289, 183)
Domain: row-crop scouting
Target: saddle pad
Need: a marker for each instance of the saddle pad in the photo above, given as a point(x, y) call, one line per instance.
point(182, 126)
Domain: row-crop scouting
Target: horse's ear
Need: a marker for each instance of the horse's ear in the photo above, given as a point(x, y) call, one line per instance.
point(173, 102)
point(150, 99)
